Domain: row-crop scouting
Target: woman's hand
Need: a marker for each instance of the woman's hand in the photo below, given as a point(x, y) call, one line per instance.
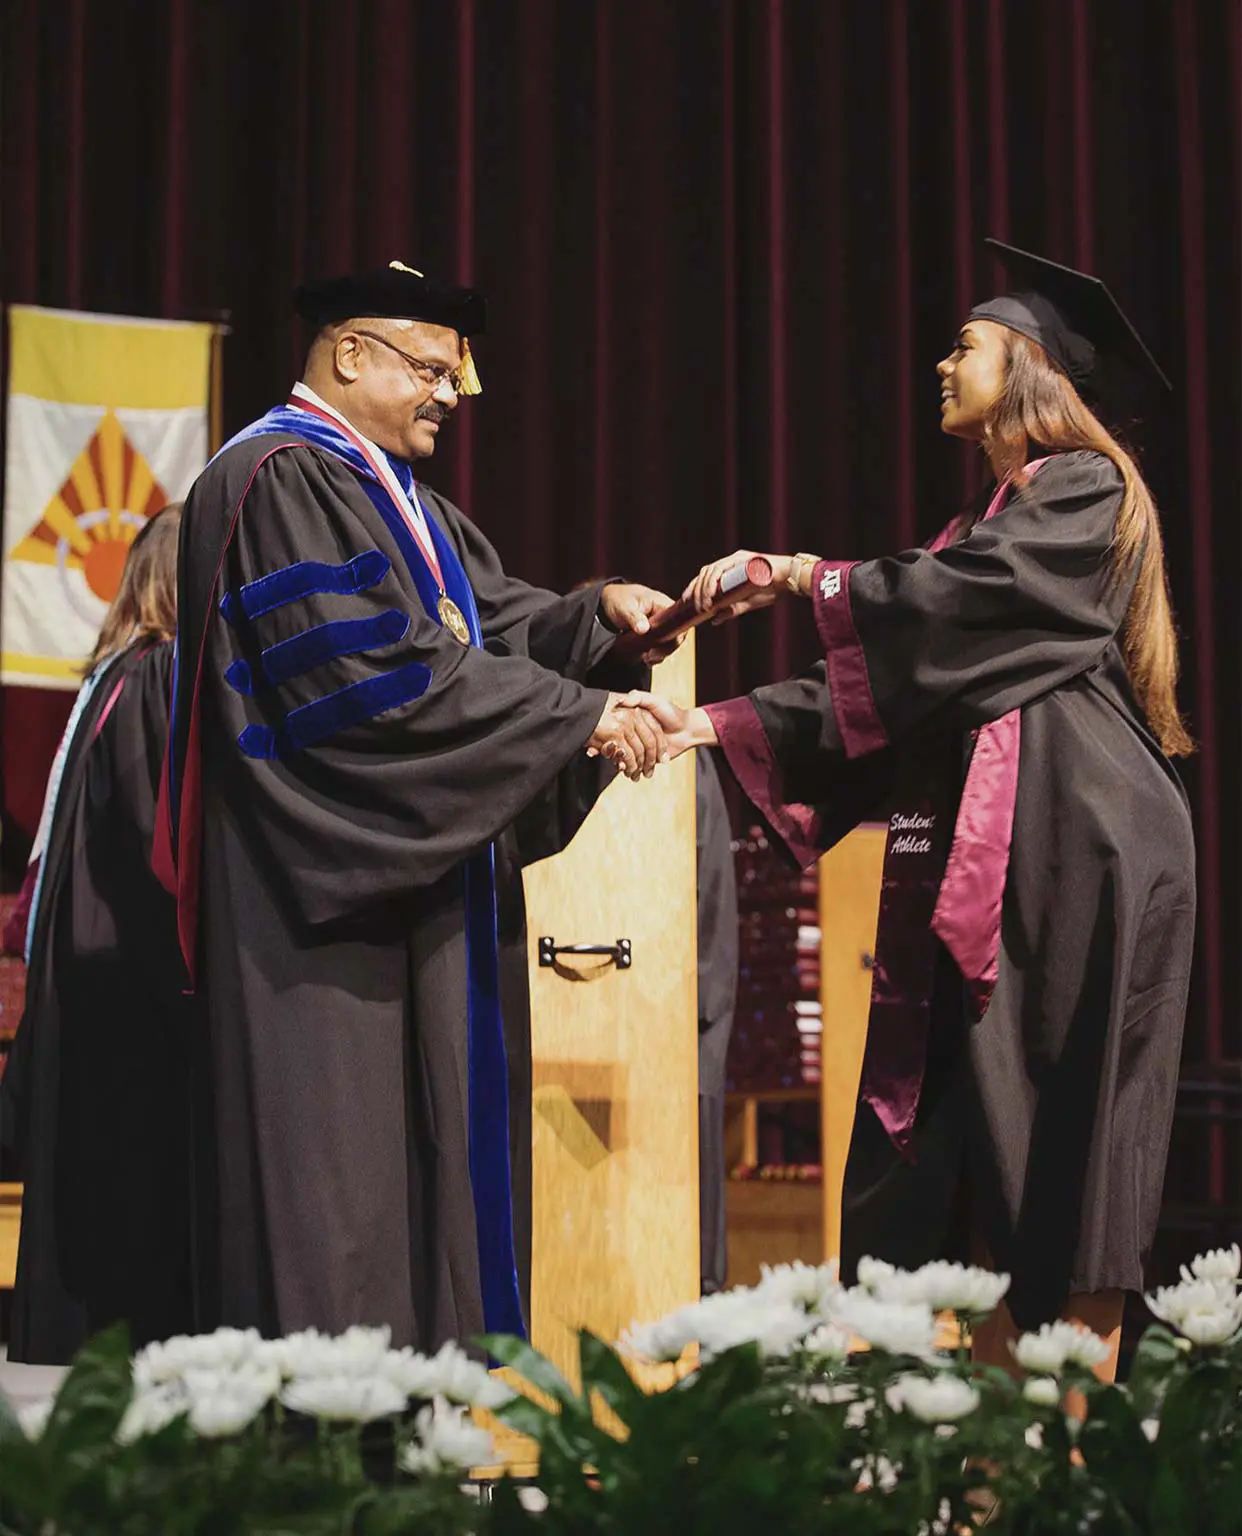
point(681, 729)
point(705, 588)
point(629, 736)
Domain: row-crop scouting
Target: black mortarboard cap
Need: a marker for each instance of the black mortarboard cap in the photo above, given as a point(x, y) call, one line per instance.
point(398, 292)
point(1072, 315)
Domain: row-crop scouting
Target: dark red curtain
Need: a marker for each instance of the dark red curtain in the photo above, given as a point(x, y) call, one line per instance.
point(725, 241)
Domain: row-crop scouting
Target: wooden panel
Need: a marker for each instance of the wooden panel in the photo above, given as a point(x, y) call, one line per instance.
point(849, 904)
point(616, 1061)
point(10, 1227)
point(772, 1222)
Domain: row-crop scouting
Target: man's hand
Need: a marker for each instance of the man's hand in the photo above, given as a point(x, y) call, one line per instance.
point(683, 729)
point(628, 736)
point(627, 606)
point(705, 588)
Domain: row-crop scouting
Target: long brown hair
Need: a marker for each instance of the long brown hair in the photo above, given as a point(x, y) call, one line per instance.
point(1039, 407)
point(145, 606)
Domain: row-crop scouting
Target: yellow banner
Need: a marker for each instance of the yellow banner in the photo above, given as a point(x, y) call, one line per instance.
point(107, 422)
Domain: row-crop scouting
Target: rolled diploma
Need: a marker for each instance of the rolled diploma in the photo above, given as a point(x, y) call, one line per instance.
point(738, 582)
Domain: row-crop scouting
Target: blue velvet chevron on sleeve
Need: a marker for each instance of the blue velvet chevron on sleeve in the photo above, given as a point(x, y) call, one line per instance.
point(315, 722)
point(313, 647)
point(305, 578)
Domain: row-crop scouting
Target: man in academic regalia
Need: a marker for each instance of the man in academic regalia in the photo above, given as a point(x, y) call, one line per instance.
point(375, 728)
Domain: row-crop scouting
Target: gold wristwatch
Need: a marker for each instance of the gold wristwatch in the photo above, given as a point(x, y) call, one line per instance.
point(794, 580)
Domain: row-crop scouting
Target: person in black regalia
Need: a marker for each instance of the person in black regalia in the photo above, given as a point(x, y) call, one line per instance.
point(95, 1099)
point(1005, 698)
point(718, 962)
point(375, 729)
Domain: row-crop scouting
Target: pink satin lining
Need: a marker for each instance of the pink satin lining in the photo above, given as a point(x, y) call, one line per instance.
point(745, 744)
point(967, 919)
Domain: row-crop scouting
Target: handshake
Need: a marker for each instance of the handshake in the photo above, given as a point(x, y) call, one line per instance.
point(638, 731)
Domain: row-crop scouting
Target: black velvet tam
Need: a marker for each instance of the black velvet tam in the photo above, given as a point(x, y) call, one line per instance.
point(395, 291)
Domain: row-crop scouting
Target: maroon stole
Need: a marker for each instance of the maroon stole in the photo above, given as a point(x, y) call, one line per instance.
point(938, 888)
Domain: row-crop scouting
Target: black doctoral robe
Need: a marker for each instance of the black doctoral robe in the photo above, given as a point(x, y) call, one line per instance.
point(96, 1095)
point(327, 915)
point(1048, 1082)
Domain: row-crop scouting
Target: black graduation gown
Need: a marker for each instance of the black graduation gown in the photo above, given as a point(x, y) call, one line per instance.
point(1054, 1108)
point(96, 1092)
point(718, 961)
point(330, 933)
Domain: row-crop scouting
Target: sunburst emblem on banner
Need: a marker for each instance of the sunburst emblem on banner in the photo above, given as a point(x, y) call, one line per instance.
point(95, 516)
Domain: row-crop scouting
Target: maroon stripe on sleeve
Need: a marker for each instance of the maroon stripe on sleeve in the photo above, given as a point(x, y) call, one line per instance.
point(861, 728)
point(745, 745)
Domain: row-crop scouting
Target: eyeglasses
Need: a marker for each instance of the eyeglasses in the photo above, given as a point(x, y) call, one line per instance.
point(431, 374)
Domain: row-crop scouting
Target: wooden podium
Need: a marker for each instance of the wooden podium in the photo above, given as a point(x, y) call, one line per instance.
point(615, 1046)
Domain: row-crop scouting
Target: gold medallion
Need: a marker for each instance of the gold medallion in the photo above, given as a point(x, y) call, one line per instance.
point(453, 619)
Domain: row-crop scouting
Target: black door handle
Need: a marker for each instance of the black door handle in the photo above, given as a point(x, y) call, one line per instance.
point(621, 952)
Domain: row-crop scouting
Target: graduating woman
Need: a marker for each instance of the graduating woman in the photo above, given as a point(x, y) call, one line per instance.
point(1005, 700)
point(95, 1097)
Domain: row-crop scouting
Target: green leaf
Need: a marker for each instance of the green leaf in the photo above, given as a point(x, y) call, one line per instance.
point(11, 1431)
point(1169, 1509)
point(604, 1372)
point(1116, 1449)
point(537, 1369)
point(93, 1397)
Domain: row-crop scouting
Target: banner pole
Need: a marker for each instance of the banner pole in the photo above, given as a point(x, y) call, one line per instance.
point(215, 390)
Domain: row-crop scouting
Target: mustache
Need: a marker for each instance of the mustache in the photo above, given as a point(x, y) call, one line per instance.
point(431, 411)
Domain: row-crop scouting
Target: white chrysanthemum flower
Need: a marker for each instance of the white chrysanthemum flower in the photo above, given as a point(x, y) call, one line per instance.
point(226, 1411)
point(941, 1399)
point(942, 1286)
point(662, 1340)
point(1085, 1348)
point(450, 1373)
point(1206, 1311)
point(1207, 1326)
point(873, 1272)
point(1219, 1264)
point(810, 1286)
point(888, 1283)
point(1043, 1391)
point(961, 1288)
point(256, 1379)
point(358, 1351)
point(1151, 1428)
point(225, 1349)
point(151, 1411)
point(356, 1398)
point(902, 1328)
point(1042, 1352)
point(33, 1417)
point(1056, 1345)
point(777, 1327)
point(446, 1441)
point(1033, 1435)
point(719, 1322)
point(828, 1342)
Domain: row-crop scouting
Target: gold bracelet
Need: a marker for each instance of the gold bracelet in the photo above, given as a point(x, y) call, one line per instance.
point(794, 580)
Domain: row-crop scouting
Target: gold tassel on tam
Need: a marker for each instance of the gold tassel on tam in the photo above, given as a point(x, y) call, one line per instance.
point(468, 382)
